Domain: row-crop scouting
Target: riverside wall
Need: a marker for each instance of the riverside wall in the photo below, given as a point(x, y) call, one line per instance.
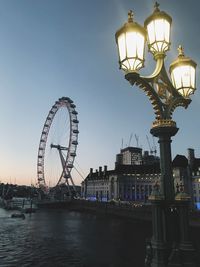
point(134, 211)
point(121, 210)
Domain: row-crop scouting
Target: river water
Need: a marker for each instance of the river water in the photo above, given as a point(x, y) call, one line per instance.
point(71, 239)
point(63, 238)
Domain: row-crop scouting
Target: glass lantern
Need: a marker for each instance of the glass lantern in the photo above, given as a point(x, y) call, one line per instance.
point(158, 29)
point(130, 40)
point(183, 74)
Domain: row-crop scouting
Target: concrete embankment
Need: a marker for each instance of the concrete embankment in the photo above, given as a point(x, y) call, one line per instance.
point(137, 212)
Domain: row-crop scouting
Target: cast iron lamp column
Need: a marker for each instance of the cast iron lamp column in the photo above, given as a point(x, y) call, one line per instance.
point(170, 242)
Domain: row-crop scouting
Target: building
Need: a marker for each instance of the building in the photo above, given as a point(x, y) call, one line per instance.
point(131, 180)
point(194, 164)
point(182, 175)
point(96, 185)
point(130, 156)
point(133, 156)
point(186, 172)
point(125, 183)
point(135, 173)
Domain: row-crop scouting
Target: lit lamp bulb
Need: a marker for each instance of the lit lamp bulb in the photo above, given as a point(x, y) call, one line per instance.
point(130, 40)
point(158, 27)
point(183, 74)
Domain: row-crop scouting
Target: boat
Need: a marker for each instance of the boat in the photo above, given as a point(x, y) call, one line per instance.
point(18, 215)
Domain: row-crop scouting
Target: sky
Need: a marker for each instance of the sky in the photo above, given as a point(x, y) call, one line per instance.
point(55, 48)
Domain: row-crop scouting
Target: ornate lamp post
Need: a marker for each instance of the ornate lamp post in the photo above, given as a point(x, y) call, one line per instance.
point(170, 242)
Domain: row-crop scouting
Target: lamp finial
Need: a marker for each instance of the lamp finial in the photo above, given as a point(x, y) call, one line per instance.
point(130, 16)
point(156, 6)
point(180, 51)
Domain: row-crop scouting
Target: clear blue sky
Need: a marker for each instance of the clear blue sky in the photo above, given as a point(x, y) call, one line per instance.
point(55, 48)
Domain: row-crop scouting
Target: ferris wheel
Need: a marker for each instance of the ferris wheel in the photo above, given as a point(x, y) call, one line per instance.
point(57, 147)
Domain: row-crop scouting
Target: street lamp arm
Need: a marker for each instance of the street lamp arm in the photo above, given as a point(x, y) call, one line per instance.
point(161, 78)
point(167, 81)
point(156, 72)
point(161, 92)
point(148, 88)
point(176, 102)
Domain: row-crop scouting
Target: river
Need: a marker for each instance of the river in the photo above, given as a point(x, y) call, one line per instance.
point(71, 239)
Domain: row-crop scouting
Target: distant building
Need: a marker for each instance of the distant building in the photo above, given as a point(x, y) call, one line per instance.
point(136, 173)
point(186, 172)
point(182, 174)
point(149, 159)
point(194, 164)
point(125, 183)
point(130, 156)
point(133, 156)
point(96, 185)
point(131, 180)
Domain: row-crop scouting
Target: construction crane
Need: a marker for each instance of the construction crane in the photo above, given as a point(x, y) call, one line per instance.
point(129, 143)
point(153, 148)
point(137, 140)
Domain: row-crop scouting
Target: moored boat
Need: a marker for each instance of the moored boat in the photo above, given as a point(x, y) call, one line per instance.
point(18, 215)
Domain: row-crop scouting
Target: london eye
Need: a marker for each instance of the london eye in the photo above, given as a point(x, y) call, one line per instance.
point(57, 148)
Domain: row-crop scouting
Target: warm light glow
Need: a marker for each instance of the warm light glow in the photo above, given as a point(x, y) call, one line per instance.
point(183, 79)
point(158, 35)
point(158, 26)
point(183, 74)
point(130, 39)
point(131, 50)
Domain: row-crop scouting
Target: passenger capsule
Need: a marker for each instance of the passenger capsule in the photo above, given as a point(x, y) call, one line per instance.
point(74, 143)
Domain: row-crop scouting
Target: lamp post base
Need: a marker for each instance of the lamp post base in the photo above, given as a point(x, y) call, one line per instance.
point(170, 243)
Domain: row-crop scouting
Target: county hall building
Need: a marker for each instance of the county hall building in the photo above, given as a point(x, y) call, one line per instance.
point(131, 180)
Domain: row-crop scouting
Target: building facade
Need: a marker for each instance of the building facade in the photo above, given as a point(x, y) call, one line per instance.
point(130, 156)
point(194, 164)
point(134, 156)
point(131, 180)
point(182, 174)
point(124, 183)
point(135, 173)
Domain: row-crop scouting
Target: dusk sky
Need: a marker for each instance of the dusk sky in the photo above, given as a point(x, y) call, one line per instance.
point(55, 48)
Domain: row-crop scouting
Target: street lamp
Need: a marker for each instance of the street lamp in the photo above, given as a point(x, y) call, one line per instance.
point(131, 42)
point(183, 74)
point(158, 28)
point(170, 241)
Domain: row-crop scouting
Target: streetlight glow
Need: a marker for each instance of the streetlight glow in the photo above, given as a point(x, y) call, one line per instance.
point(131, 42)
point(183, 74)
point(158, 35)
point(158, 29)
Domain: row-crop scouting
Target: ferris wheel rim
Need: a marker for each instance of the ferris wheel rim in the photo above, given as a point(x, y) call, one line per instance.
point(73, 139)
